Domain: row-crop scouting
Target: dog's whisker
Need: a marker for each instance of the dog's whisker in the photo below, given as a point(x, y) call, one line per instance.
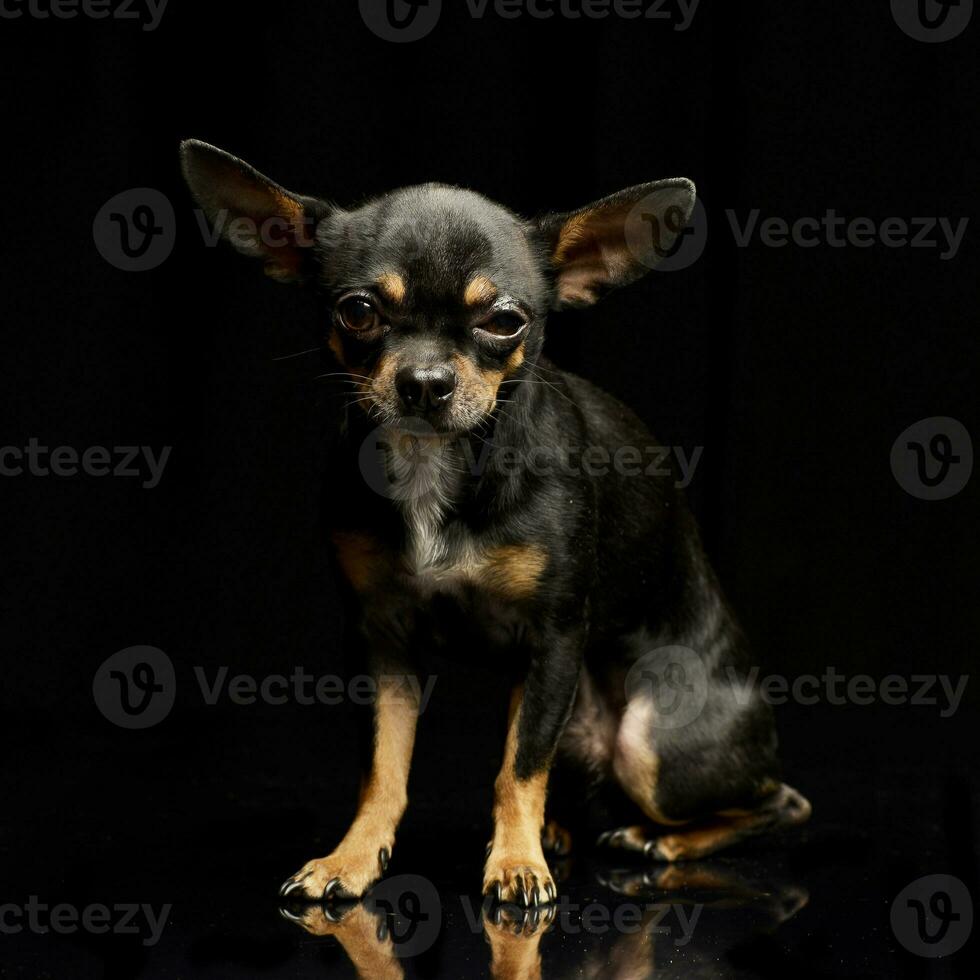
point(346, 375)
point(301, 353)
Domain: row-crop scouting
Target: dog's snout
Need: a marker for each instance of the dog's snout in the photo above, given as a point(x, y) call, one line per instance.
point(425, 389)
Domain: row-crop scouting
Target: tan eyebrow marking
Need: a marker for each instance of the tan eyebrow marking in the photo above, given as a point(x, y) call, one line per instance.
point(393, 286)
point(479, 290)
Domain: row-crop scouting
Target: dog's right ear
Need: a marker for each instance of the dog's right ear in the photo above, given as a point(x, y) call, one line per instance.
point(255, 214)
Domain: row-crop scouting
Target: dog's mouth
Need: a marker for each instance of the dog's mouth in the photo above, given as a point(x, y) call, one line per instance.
point(420, 427)
point(464, 415)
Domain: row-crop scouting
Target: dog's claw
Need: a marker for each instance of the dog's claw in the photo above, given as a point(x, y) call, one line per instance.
point(330, 915)
point(550, 889)
point(332, 885)
point(384, 856)
point(290, 885)
point(603, 838)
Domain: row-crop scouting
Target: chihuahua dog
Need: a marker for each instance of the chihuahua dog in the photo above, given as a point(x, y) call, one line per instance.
point(475, 529)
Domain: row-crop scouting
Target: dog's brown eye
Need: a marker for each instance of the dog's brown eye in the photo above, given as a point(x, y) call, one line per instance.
point(504, 325)
point(358, 315)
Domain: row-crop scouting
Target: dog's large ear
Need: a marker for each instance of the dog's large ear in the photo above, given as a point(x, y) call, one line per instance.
point(615, 240)
point(255, 214)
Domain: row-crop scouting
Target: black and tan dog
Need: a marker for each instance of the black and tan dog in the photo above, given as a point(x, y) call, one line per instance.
point(434, 302)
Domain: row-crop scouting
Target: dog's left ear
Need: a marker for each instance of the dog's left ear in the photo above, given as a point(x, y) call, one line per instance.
point(257, 215)
point(615, 240)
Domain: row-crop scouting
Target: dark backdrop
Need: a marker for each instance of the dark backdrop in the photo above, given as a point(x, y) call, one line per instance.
point(795, 369)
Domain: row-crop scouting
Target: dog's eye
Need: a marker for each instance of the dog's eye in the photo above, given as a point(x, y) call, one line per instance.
point(504, 325)
point(358, 315)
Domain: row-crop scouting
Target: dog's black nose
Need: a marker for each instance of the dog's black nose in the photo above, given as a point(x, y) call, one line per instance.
point(424, 389)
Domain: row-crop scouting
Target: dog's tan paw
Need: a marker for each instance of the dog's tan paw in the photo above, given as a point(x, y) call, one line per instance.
point(347, 873)
point(523, 880)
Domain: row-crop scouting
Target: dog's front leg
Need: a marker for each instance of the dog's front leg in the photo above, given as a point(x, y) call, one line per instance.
point(362, 856)
point(516, 870)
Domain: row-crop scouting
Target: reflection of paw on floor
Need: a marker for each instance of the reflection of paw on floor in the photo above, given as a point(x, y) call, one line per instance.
point(515, 936)
point(361, 934)
point(710, 885)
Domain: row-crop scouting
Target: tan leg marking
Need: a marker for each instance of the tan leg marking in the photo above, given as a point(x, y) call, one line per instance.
point(516, 860)
point(357, 861)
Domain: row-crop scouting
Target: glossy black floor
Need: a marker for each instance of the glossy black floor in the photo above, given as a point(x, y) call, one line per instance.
point(199, 819)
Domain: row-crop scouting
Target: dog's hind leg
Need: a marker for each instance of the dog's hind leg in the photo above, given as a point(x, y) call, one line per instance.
point(702, 785)
point(784, 807)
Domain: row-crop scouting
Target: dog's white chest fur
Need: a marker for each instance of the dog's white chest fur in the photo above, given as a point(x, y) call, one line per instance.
point(425, 474)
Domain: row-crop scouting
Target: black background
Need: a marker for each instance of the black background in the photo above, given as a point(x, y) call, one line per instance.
point(795, 369)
